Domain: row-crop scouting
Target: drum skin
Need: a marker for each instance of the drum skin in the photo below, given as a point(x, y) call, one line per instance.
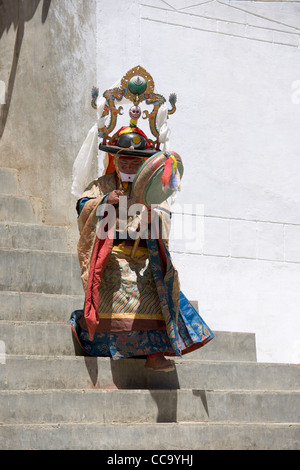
point(147, 186)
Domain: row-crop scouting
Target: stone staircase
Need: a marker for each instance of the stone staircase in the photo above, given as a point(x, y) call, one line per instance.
point(53, 397)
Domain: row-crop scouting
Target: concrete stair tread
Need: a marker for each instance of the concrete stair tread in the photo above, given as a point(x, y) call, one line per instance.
point(16, 208)
point(29, 372)
point(161, 424)
point(151, 436)
point(109, 406)
point(33, 237)
point(134, 391)
point(41, 271)
point(9, 181)
point(36, 306)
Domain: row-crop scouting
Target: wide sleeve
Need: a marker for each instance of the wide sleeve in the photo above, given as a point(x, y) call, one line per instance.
point(87, 223)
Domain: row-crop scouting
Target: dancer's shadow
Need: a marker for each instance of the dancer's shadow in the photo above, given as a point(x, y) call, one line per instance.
point(163, 386)
point(131, 374)
point(91, 362)
point(16, 12)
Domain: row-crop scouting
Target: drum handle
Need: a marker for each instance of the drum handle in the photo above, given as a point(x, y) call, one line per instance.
point(135, 247)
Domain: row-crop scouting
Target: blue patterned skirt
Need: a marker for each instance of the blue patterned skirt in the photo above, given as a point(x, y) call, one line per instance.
point(193, 333)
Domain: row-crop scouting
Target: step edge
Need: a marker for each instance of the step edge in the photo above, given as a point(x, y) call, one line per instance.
point(42, 357)
point(39, 225)
point(27, 250)
point(150, 391)
point(115, 424)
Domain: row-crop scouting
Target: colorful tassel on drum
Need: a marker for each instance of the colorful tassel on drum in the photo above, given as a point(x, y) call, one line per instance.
point(170, 178)
point(166, 176)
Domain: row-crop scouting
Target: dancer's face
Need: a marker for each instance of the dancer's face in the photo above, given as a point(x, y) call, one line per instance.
point(130, 165)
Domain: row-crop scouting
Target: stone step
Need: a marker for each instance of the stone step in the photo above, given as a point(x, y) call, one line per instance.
point(50, 338)
point(9, 181)
point(148, 406)
point(158, 436)
point(32, 306)
point(66, 372)
point(33, 237)
point(46, 272)
point(24, 209)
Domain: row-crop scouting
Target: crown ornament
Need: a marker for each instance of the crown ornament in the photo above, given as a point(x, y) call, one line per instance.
point(162, 168)
point(137, 86)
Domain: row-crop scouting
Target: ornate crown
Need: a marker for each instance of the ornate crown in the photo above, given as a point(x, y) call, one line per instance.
point(136, 85)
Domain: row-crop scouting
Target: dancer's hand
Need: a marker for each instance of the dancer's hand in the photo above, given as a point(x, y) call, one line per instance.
point(114, 196)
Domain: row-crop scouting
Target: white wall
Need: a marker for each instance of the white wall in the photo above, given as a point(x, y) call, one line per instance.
point(235, 68)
